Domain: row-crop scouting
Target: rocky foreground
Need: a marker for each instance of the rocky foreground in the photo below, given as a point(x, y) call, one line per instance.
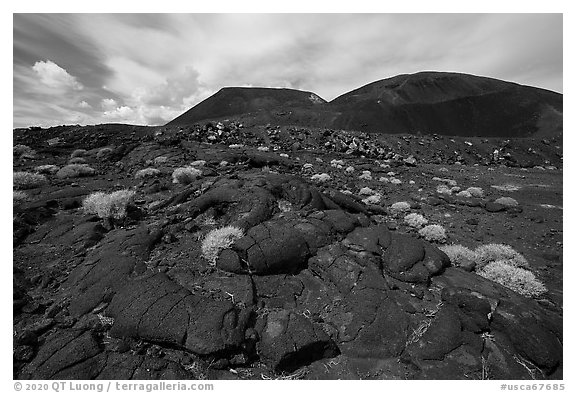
point(322, 286)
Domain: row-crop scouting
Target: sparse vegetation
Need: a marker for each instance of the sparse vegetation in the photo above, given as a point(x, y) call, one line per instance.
point(464, 194)
point(415, 220)
point(517, 279)
point(458, 253)
point(219, 239)
point(147, 172)
point(366, 191)
point(21, 150)
point(476, 192)
point(78, 153)
point(507, 201)
point(337, 164)
point(19, 197)
point(75, 170)
point(103, 153)
point(26, 180)
point(160, 160)
point(373, 199)
point(366, 175)
point(321, 177)
point(77, 160)
point(433, 233)
point(399, 207)
point(48, 169)
point(488, 253)
point(185, 175)
point(443, 189)
point(111, 205)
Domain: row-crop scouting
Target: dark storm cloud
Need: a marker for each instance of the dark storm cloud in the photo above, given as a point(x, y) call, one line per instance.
point(148, 68)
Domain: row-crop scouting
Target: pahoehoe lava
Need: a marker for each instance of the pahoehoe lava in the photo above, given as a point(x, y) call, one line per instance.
point(329, 279)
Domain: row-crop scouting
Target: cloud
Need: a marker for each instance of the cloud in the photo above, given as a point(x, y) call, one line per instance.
point(54, 76)
point(121, 113)
point(108, 104)
point(148, 68)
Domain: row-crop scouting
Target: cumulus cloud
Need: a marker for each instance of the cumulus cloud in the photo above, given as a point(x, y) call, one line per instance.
point(121, 113)
point(54, 76)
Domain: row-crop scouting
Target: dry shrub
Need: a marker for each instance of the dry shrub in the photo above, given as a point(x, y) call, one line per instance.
point(75, 170)
point(111, 205)
point(433, 233)
point(219, 239)
point(26, 180)
point(517, 279)
point(185, 175)
point(492, 252)
point(147, 172)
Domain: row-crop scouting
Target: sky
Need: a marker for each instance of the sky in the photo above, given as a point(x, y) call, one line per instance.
point(149, 68)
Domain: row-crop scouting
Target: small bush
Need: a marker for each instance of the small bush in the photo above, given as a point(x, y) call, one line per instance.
point(395, 181)
point(507, 201)
point(78, 153)
point(399, 207)
point(104, 152)
point(284, 206)
point(443, 189)
point(488, 253)
point(147, 172)
point(47, 169)
point(263, 148)
point(77, 160)
point(111, 205)
point(372, 199)
point(366, 175)
point(185, 175)
point(337, 163)
point(517, 279)
point(20, 150)
point(366, 191)
point(75, 170)
point(415, 220)
point(321, 178)
point(457, 253)
point(476, 192)
point(349, 169)
point(450, 182)
point(433, 233)
point(219, 239)
point(19, 197)
point(160, 160)
point(26, 180)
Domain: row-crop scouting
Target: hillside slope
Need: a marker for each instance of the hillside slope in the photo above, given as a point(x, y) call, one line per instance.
point(426, 102)
point(231, 101)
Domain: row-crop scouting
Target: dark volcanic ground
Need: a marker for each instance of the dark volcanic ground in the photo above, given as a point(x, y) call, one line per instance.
point(323, 286)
